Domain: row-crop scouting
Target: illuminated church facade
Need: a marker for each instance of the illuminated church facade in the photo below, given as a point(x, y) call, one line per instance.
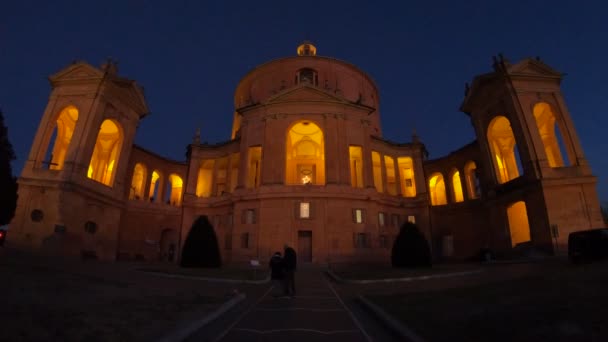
point(306, 165)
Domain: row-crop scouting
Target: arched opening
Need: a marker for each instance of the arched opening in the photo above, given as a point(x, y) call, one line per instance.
point(205, 178)
point(406, 172)
point(356, 166)
point(502, 146)
point(391, 185)
point(106, 153)
point(456, 186)
point(220, 176)
point(519, 225)
point(138, 182)
point(174, 190)
point(62, 136)
point(307, 76)
point(437, 189)
point(305, 154)
point(377, 170)
point(154, 187)
point(254, 173)
point(168, 245)
point(472, 180)
point(550, 133)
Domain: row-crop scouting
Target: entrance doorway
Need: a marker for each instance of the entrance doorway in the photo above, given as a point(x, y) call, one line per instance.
point(518, 223)
point(305, 245)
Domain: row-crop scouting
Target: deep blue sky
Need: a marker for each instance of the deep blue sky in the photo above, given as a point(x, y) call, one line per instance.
point(189, 56)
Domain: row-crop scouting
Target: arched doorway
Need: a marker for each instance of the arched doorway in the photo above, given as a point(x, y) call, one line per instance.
point(62, 136)
point(519, 225)
point(503, 147)
point(305, 154)
point(437, 189)
point(168, 245)
point(106, 153)
point(549, 134)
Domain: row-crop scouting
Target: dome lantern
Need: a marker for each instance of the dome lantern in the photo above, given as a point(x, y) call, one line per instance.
point(307, 49)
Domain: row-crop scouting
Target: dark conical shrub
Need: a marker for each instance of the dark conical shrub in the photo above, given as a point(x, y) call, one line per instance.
point(8, 183)
point(410, 248)
point(201, 248)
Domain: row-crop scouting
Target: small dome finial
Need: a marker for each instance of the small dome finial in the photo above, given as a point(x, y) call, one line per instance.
point(307, 49)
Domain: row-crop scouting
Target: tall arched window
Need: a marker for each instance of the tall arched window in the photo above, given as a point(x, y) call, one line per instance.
point(391, 182)
point(106, 153)
point(549, 133)
point(356, 166)
point(457, 186)
point(437, 189)
point(307, 76)
point(305, 154)
point(174, 195)
point(155, 183)
point(472, 180)
point(138, 182)
point(63, 132)
point(502, 145)
point(406, 172)
point(519, 225)
point(377, 170)
point(205, 178)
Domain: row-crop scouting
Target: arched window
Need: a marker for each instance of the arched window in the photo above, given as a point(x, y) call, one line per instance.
point(502, 145)
point(549, 134)
point(457, 186)
point(377, 170)
point(305, 154)
point(391, 183)
point(472, 180)
point(437, 189)
point(307, 76)
point(406, 172)
point(106, 153)
point(205, 178)
point(174, 193)
point(138, 182)
point(62, 135)
point(155, 183)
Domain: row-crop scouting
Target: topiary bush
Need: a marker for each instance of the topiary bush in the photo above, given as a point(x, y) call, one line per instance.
point(410, 248)
point(201, 248)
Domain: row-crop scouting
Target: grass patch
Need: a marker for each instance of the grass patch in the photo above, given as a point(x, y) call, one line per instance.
point(558, 304)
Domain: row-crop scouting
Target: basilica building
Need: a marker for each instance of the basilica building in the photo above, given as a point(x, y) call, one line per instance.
point(305, 165)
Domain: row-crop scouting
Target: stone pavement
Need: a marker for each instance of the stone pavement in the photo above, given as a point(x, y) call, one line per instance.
point(317, 313)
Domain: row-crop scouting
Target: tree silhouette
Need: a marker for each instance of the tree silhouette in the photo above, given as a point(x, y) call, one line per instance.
point(201, 248)
point(8, 183)
point(410, 248)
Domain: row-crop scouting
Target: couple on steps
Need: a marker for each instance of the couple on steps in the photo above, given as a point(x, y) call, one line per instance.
point(282, 271)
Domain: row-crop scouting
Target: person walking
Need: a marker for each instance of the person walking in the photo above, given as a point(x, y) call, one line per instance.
point(290, 262)
point(277, 273)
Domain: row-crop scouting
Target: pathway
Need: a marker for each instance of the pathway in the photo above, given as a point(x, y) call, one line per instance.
point(317, 313)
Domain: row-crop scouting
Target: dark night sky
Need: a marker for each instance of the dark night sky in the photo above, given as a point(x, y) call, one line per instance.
point(189, 56)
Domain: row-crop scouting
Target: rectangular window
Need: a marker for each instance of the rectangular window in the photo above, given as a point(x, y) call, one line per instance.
point(411, 219)
point(381, 219)
point(361, 240)
point(356, 166)
point(395, 220)
point(245, 240)
point(250, 216)
point(358, 215)
point(383, 241)
point(391, 183)
point(304, 210)
point(228, 241)
point(255, 165)
point(377, 171)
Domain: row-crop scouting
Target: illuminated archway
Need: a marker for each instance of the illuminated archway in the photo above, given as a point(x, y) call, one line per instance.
point(545, 122)
point(457, 186)
point(174, 187)
point(106, 153)
point(519, 225)
point(305, 154)
point(356, 166)
point(502, 145)
point(470, 173)
point(155, 187)
point(63, 132)
point(437, 189)
point(377, 170)
point(406, 172)
point(391, 182)
point(138, 182)
point(205, 178)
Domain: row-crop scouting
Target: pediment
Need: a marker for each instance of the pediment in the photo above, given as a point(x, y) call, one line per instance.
point(305, 93)
point(77, 71)
point(533, 67)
